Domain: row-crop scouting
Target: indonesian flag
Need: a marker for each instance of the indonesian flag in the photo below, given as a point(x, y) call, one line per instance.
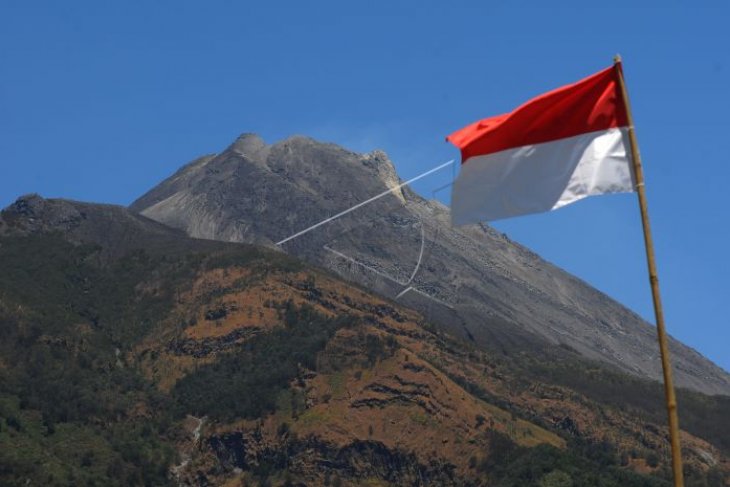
point(555, 149)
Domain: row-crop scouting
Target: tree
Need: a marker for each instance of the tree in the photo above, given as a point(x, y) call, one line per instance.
point(556, 478)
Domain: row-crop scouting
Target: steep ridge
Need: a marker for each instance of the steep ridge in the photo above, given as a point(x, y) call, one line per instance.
point(166, 359)
point(471, 281)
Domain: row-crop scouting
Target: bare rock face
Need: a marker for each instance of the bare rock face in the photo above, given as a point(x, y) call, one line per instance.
point(472, 281)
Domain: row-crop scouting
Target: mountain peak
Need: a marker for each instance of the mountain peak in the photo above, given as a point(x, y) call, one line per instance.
point(27, 204)
point(248, 144)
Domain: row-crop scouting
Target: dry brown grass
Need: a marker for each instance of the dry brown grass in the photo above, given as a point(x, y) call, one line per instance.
point(408, 401)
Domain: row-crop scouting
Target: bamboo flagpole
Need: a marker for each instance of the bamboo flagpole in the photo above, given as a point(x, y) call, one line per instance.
point(654, 280)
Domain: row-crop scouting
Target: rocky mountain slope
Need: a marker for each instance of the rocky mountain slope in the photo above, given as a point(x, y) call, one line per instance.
point(471, 281)
point(131, 354)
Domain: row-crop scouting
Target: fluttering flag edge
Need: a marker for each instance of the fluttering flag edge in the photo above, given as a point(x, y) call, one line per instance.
point(553, 150)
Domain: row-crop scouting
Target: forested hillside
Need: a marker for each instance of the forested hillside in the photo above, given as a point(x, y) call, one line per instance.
point(131, 354)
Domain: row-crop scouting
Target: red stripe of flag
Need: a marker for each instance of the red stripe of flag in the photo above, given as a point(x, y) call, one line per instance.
point(592, 104)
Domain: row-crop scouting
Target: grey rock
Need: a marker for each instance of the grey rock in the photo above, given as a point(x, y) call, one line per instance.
point(472, 281)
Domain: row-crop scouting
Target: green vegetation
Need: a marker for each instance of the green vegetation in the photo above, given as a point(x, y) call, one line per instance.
point(583, 463)
point(377, 348)
point(702, 415)
point(593, 464)
point(247, 384)
point(73, 413)
point(59, 285)
point(62, 394)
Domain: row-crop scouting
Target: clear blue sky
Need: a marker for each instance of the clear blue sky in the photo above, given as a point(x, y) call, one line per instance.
point(101, 100)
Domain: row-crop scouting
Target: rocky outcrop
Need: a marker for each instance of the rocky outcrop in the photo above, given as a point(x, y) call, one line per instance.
point(211, 345)
point(313, 459)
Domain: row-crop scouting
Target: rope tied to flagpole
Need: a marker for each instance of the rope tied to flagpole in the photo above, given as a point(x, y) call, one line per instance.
point(363, 203)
